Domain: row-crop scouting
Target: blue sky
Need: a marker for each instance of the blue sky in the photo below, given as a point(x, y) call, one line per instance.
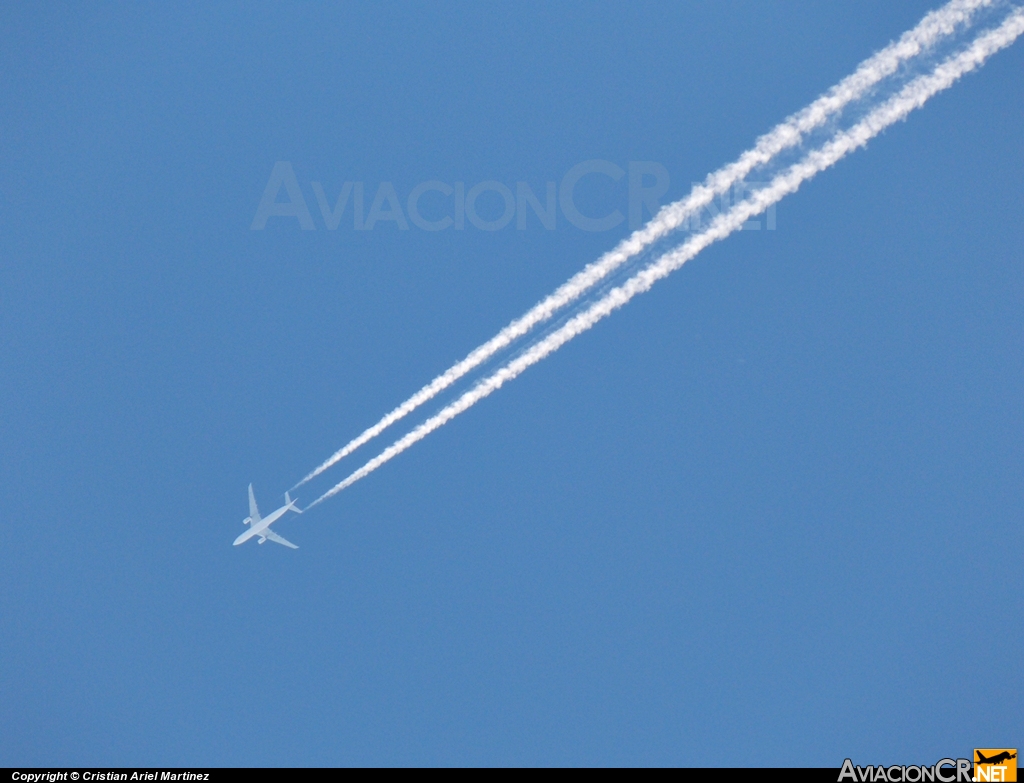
point(767, 514)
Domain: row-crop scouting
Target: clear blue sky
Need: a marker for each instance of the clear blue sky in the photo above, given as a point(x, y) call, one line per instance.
point(770, 513)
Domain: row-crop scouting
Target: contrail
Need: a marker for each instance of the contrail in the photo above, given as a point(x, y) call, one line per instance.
point(911, 97)
point(932, 29)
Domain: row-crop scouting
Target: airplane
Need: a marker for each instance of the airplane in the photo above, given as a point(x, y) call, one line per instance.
point(260, 526)
point(1004, 756)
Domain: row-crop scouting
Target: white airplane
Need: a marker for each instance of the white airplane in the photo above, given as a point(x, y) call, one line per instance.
point(260, 526)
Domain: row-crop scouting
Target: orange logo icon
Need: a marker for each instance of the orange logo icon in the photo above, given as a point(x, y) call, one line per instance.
point(995, 764)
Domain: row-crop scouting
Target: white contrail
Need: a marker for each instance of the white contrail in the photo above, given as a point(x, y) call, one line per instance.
point(911, 97)
point(933, 28)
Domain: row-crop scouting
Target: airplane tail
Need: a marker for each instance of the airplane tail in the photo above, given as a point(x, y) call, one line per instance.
point(291, 504)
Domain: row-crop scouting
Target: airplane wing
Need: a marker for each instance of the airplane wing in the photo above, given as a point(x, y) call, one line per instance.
point(254, 513)
point(277, 539)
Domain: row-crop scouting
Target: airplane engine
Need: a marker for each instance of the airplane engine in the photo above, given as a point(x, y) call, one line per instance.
point(247, 520)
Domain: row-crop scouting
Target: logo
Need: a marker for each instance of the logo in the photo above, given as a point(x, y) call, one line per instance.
point(942, 771)
point(999, 764)
point(491, 205)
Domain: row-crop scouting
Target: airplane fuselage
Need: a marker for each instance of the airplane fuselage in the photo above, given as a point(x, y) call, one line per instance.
point(263, 524)
point(260, 525)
